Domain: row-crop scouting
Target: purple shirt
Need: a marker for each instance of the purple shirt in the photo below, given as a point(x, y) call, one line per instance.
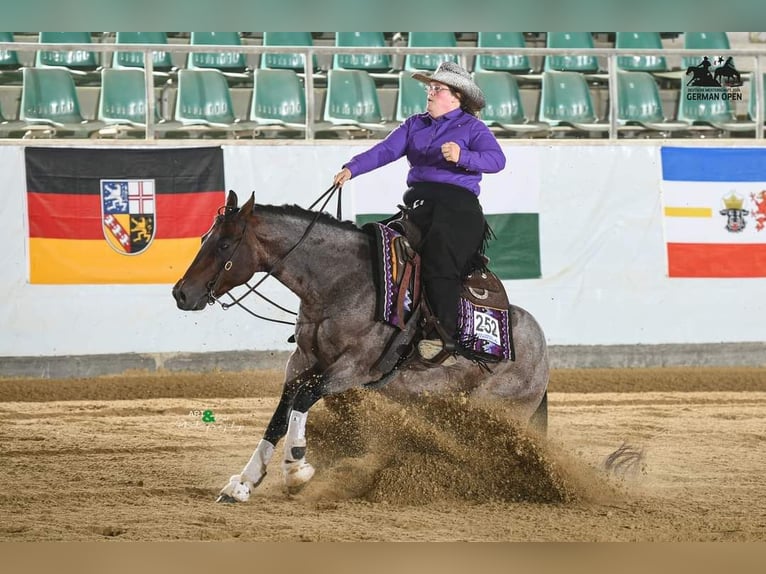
point(420, 138)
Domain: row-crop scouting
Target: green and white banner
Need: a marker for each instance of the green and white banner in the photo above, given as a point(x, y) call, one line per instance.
point(510, 199)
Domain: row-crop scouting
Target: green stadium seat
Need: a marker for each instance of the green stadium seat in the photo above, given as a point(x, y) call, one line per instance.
point(50, 106)
point(504, 109)
point(411, 98)
point(352, 103)
point(162, 62)
point(233, 65)
point(122, 104)
point(514, 63)
point(566, 102)
point(82, 64)
point(287, 61)
point(279, 101)
point(711, 42)
point(581, 41)
point(204, 106)
point(704, 115)
point(751, 111)
point(429, 40)
point(640, 105)
point(641, 41)
point(369, 62)
point(10, 67)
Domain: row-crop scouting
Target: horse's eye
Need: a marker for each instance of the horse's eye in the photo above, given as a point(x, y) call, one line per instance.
point(223, 245)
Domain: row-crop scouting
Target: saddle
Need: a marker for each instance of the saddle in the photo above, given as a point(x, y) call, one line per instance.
point(483, 317)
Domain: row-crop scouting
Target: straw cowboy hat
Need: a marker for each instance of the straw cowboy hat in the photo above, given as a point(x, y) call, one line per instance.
point(455, 77)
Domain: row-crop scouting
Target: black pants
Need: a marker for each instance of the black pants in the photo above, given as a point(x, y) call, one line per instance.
point(453, 227)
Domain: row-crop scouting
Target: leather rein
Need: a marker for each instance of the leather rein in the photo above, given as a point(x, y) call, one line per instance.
point(327, 195)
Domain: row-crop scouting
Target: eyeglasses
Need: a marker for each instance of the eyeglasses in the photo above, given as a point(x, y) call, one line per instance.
point(435, 89)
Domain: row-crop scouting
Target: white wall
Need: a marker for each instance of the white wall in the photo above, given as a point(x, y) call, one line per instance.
point(603, 261)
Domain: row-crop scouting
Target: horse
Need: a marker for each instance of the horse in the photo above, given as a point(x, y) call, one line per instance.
point(727, 70)
point(327, 263)
point(700, 77)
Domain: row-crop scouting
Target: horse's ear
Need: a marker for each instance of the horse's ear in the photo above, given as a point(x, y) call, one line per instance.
point(231, 199)
point(249, 206)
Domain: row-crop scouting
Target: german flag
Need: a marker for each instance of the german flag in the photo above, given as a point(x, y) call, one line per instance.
point(119, 215)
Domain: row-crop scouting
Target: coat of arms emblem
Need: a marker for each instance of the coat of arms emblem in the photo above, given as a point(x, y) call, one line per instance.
point(128, 214)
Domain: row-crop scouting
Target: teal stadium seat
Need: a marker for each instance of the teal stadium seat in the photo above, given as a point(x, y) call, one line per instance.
point(352, 103)
point(566, 102)
point(10, 67)
point(704, 115)
point(204, 106)
point(50, 106)
point(162, 62)
point(287, 60)
point(429, 62)
point(122, 104)
point(278, 102)
point(514, 63)
point(640, 106)
point(233, 65)
point(411, 98)
point(751, 108)
point(641, 41)
point(373, 63)
point(504, 110)
point(710, 44)
point(582, 41)
point(84, 65)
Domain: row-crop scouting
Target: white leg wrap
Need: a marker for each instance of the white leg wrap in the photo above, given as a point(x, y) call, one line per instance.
point(255, 469)
point(297, 471)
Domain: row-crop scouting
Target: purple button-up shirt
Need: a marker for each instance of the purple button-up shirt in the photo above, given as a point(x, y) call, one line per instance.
point(420, 138)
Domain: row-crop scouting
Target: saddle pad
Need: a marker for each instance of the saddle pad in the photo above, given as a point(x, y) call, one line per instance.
point(397, 275)
point(485, 329)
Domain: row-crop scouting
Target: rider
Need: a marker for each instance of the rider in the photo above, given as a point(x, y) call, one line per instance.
point(448, 149)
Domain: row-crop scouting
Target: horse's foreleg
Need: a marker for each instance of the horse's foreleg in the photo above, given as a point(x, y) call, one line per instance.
point(241, 485)
point(297, 472)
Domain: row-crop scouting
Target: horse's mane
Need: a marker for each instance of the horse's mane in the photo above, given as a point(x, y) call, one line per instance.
point(303, 213)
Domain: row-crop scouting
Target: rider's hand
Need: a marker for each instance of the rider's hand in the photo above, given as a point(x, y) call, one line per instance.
point(341, 177)
point(451, 151)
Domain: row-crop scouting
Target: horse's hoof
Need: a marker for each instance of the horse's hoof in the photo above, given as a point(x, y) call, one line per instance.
point(297, 475)
point(236, 491)
point(226, 499)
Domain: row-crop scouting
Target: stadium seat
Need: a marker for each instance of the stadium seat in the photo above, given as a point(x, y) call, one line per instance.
point(373, 63)
point(504, 108)
point(429, 40)
point(82, 64)
point(11, 128)
point(162, 62)
point(278, 103)
point(352, 103)
point(287, 61)
point(566, 102)
point(411, 98)
point(50, 106)
point(204, 106)
point(233, 65)
point(711, 42)
point(10, 67)
point(122, 104)
point(581, 41)
point(751, 111)
point(514, 63)
point(702, 115)
point(640, 106)
point(641, 41)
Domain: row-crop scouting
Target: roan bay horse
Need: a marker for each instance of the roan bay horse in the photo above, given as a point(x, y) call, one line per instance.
point(328, 265)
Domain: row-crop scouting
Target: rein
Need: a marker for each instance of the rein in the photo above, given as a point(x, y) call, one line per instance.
point(253, 289)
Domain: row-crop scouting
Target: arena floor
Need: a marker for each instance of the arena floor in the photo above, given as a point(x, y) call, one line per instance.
point(130, 458)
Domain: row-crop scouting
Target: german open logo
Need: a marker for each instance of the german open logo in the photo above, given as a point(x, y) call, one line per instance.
point(127, 210)
point(714, 80)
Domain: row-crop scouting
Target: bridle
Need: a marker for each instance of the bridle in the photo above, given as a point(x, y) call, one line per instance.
point(227, 266)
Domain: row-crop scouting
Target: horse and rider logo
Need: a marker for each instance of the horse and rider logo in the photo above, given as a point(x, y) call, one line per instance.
point(128, 214)
point(723, 76)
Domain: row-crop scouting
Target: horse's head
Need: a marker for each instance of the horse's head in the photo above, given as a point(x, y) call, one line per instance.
point(224, 260)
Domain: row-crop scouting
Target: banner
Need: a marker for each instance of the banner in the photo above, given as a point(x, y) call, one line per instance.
point(510, 201)
point(119, 215)
point(714, 211)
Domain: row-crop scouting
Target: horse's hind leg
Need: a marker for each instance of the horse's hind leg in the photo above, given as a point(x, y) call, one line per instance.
point(241, 485)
